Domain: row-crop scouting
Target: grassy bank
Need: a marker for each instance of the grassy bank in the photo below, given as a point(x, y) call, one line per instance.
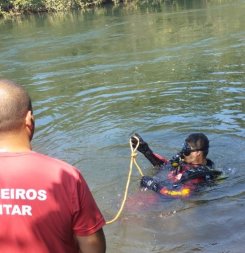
point(17, 7)
point(10, 8)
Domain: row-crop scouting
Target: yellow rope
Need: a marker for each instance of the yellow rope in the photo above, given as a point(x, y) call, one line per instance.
point(132, 161)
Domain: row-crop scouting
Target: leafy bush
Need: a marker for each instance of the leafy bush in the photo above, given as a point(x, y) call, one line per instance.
point(25, 6)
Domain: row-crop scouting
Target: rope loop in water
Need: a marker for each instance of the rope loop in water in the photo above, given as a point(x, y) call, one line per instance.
point(132, 162)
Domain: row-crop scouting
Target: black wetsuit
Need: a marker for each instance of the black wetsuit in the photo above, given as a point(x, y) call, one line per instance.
point(181, 179)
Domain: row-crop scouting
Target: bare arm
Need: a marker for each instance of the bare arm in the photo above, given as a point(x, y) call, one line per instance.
point(94, 243)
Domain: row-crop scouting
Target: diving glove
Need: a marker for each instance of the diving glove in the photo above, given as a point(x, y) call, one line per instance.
point(143, 146)
point(146, 151)
point(149, 183)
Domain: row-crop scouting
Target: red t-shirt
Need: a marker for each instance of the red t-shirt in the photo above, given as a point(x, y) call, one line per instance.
point(43, 203)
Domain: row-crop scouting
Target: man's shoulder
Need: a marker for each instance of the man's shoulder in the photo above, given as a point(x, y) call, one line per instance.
point(48, 159)
point(52, 163)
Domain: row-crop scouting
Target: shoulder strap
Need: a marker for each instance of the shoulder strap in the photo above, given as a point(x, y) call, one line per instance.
point(203, 172)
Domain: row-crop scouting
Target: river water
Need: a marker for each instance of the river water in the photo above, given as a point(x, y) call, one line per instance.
point(161, 71)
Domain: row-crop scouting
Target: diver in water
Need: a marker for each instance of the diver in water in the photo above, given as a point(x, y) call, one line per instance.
point(187, 170)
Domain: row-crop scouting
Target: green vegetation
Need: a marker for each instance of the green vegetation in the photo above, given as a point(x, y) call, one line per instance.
point(17, 7)
point(14, 7)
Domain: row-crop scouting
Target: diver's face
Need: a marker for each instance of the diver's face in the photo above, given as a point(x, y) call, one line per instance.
point(192, 157)
point(190, 154)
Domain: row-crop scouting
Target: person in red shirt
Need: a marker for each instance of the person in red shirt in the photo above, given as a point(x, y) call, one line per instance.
point(45, 204)
point(187, 170)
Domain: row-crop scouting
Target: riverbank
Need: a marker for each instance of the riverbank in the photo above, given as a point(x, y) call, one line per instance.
point(19, 7)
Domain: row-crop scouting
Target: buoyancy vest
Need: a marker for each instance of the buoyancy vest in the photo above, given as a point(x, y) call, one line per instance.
point(181, 177)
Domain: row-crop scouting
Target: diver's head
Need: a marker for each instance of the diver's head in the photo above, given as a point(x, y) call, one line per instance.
point(195, 148)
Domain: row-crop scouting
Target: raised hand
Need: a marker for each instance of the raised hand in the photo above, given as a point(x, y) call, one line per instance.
point(143, 146)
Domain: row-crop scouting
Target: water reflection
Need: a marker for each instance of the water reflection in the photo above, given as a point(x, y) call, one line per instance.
point(98, 77)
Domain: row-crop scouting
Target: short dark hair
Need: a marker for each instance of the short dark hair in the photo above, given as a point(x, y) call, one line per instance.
point(199, 141)
point(15, 102)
